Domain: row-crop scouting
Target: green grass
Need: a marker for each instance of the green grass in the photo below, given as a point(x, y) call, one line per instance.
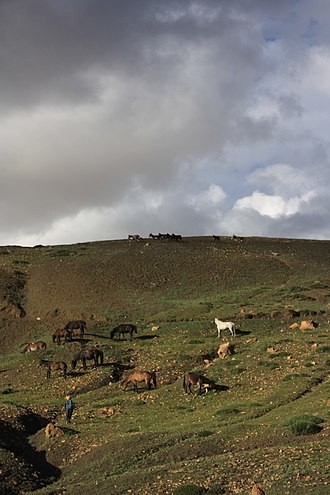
point(256, 426)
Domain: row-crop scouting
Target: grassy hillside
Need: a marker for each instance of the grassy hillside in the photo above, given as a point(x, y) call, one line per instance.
point(266, 422)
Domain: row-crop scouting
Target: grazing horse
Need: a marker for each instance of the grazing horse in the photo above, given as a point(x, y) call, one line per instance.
point(122, 329)
point(154, 236)
point(76, 325)
point(136, 376)
point(53, 366)
point(216, 237)
point(61, 333)
point(238, 238)
point(202, 381)
point(225, 325)
point(35, 346)
point(85, 354)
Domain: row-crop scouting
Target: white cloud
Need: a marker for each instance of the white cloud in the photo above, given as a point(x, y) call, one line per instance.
point(207, 200)
point(273, 206)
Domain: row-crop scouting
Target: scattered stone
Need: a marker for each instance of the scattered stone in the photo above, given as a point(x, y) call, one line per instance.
point(53, 431)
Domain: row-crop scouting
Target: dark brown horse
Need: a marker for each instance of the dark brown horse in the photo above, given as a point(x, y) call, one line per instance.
point(136, 376)
point(197, 379)
point(76, 325)
point(53, 366)
point(61, 333)
point(87, 354)
point(122, 329)
point(35, 346)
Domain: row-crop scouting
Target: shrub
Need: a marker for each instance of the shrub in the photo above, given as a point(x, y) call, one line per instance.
point(204, 433)
point(237, 371)
point(324, 348)
point(268, 364)
point(293, 376)
point(216, 490)
point(190, 489)
point(226, 411)
point(304, 425)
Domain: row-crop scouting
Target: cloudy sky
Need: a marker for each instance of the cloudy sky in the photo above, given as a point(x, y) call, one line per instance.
point(197, 117)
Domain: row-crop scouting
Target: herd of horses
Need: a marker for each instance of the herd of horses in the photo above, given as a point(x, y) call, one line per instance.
point(176, 237)
point(96, 355)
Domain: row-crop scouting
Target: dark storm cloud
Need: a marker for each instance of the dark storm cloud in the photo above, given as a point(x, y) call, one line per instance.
point(152, 112)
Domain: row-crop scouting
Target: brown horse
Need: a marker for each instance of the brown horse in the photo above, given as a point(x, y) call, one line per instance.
point(76, 325)
point(62, 333)
point(35, 346)
point(85, 354)
point(122, 329)
point(136, 376)
point(53, 366)
point(195, 379)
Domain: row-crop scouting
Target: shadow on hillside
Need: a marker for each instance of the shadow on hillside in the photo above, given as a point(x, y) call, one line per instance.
point(82, 340)
point(17, 442)
point(76, 373)
point(147, 337)
point(100, 336)
point(119, 369)
point(221, 388)
point(242, 332)
point(70, 431)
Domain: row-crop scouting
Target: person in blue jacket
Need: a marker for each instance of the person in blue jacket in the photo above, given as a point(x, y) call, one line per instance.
point(69, 406)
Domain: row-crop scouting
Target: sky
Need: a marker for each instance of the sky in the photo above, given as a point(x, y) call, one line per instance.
point(194, 117)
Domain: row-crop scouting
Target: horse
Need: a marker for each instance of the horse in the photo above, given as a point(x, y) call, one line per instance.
point(85, 354)
point(122, 329)
point(225, 325)
point(35, 346)
point(175, 237)
point(61, 333)
point(53, 366)
point(136, 376)
point(238, 238)
point(216, 237)
point(154, 236)
point(134, 237)
point(202, 381)
point(76, 325)
point(163, 236)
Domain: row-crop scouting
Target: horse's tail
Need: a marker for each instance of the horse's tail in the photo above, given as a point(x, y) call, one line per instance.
point(25, 348)
point(135, 328)
point(153, 378)
point(75, 360)
point(54, 337)
point(185, 381)
point(112, 333)
point(101, 356)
